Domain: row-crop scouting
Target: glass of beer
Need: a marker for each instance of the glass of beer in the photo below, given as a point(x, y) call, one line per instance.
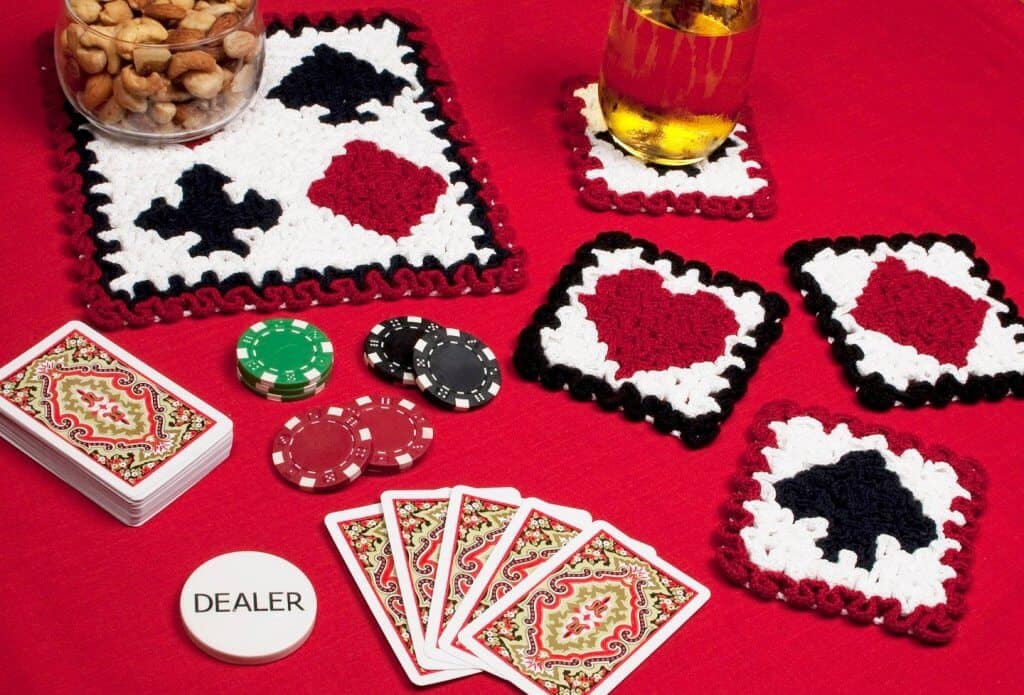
point(674, 75)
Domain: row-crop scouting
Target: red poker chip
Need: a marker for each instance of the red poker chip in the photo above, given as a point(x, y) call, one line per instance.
point(401, 434)
point(323, 449)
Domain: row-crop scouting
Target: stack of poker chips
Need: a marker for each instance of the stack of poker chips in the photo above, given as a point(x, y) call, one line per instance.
point(325, 449)
point(284, 359)
point(454, 369)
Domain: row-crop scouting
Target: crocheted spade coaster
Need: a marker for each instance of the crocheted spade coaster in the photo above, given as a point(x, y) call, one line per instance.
point(845, 518)
point(734, 182)
point(912, 320)
point(351, 178)
point(645, 332)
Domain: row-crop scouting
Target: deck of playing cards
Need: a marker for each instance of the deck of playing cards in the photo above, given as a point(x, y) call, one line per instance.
point(115, 429)
point(533, 593)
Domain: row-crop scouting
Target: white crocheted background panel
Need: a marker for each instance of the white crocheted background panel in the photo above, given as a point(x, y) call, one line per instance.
point(853, 519)
point(902, 501)
point(346, 163)
point(662, 338)
point(732, 182)
point(918, 320)
point(690, 388)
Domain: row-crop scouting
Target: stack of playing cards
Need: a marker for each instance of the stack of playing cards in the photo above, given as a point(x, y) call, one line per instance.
point(534, 593)
point(118, 431)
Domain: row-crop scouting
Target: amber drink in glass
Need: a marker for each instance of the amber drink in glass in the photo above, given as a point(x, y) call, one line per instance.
point(674, 75)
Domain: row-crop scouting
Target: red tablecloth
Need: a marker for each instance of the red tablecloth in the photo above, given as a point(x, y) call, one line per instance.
point(874, 119)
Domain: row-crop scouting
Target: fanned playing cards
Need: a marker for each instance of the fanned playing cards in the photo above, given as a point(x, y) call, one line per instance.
point(466, 579)
point(109, 425)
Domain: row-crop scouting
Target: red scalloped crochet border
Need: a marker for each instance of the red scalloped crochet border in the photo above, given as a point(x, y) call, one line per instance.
point(932, 625)
point(596, 195)
point(109, 313)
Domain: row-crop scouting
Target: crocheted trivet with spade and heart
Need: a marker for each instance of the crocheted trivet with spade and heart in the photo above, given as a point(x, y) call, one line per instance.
point(351, 178)
point(734, 182)
point(646, 332)
point(913, 320)
point(845, 518)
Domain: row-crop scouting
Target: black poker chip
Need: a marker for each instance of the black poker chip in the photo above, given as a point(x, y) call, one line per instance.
point(388, 348)
point(456, 369)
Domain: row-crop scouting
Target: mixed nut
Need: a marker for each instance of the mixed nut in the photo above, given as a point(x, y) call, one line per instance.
point(160, 66)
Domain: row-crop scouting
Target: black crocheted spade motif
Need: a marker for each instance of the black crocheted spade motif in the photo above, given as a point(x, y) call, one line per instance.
point(861, 499)
point(339, 82)
point(208, 211)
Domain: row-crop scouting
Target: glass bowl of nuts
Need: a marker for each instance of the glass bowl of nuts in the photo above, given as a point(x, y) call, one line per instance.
point(159, 71)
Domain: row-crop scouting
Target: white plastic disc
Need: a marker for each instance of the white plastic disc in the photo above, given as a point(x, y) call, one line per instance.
point(248, 607)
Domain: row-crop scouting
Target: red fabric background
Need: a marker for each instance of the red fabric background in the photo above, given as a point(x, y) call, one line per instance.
point(872, 121)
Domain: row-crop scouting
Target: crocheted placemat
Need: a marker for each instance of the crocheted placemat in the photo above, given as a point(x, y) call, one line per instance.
point(351, 178)
point(734, 182)
point(913, 320)
point(643, 331)
point(846, 518)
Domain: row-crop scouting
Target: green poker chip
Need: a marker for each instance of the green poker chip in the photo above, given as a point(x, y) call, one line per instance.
point(284, 354)
point(258, 385)
point(289, 391)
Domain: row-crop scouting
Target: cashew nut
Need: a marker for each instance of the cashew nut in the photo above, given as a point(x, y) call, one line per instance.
point(190, 61)
point(203, 85)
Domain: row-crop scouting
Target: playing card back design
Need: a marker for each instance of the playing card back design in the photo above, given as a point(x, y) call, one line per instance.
point(367, 541)
point(536, 532)
point(913, 320)
point(481, 523)
point(362, 539)
point(842, 517)
point(422, 524)
point(351, 178)
point(734, 182)
point(587, 618)
point(537, 539)
point(646, 332)
point(127, 424)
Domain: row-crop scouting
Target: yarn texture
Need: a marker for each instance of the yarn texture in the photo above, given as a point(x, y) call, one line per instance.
point(646, 332)
point(351, 178)
point(734, 182)
point(846, 518)
point(913, 320)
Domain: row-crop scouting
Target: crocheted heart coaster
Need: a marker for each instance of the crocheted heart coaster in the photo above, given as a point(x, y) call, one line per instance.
point(653, 335)
point(845, 518)
point(912, 320)
point(734, 182)
point(351, 178)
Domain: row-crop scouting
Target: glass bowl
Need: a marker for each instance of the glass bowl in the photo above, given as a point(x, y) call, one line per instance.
point(159, 71)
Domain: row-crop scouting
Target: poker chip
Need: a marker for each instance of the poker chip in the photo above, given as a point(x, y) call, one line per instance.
point(285, 395)
point(248, 607)
point(456, 369)
point(401, 434)
point(285, 398)
point(323, 449)
point(389, 346)
point(297, 392)
point(284, 353)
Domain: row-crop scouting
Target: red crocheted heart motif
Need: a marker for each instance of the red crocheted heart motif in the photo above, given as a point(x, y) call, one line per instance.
point(648, 328)
point(377, 190)
point(922, 311)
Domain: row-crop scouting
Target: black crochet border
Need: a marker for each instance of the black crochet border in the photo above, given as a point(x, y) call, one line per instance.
point(694, 432)
point(112, 309)
point(872, 389)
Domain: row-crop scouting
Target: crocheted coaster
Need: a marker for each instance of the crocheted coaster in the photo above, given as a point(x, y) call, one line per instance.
point(351, 178)
point(845, 518)
point(734, 182)
point(912, 320)
point(650, 334)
